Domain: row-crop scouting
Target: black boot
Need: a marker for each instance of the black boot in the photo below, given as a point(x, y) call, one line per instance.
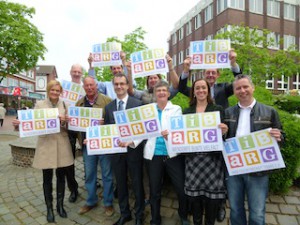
point(60, 194)
point(197, 209)
point(48, 200)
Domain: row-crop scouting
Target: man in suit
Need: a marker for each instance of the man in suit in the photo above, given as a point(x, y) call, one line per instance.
point(131, 161)
point(220, 93)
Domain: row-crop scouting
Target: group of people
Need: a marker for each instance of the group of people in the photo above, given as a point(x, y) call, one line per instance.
point(200, 180)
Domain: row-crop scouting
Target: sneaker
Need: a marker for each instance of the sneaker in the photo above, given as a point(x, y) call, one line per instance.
point(109, 211)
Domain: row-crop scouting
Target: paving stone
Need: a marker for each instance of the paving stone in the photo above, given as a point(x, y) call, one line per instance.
point(292, 200)
point(288, 209)
point(287, 220)
point(271, 219)
point(166, 202)
point(276, 199)
point(272, 208)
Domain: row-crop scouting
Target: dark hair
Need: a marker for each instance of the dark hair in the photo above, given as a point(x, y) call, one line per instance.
point(120, 75)
point(116, 65)
point(243, 76)
point(193, 99)
point(159, 76)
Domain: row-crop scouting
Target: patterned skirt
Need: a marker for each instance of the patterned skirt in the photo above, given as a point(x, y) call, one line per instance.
point(204, 175)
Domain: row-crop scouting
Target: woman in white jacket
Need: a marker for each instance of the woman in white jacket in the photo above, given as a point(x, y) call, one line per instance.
point(160, 159)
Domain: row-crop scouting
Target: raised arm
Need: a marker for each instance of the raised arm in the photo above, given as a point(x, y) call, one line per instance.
point(183, 88)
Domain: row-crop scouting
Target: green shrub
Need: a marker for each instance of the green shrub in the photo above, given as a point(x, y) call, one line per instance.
point(288, 103)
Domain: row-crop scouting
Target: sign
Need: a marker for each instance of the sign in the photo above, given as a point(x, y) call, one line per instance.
point(81, 118)
point(255, 152)
point(138, 123)
point(210, 54)
point(35, 122)
point(148, 62)
point(107, 54)
point(72, 92)
point(103, 140)
point(196, 132)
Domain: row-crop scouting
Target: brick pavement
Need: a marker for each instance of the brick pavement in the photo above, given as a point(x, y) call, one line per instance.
point(22, 202)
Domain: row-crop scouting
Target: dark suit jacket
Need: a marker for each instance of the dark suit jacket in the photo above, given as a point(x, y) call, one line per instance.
point(133, 154)
point(222, 91)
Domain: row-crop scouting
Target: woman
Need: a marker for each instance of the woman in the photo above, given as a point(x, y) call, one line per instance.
point(53, 151)
point(204, 172)
point(160, 159)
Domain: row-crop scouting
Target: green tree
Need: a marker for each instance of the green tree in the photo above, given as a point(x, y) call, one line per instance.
point(254, 56)
point(132, 42)
point(21, 43)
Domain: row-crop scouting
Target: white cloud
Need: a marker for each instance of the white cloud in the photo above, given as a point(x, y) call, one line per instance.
point(71, 27)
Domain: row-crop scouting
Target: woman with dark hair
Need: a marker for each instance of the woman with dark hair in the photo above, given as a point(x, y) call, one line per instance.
point(53, 151)
point(204, 172)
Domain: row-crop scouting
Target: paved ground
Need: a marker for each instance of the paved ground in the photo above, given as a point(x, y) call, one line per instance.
point(22, 202)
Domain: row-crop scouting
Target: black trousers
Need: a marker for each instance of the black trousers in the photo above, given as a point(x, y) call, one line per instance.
point(174, 167)
point(122, 165)
point(70, 170)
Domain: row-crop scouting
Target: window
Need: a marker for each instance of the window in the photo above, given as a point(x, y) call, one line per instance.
point(221, 6)
point(208, 13)
point(4, 82)
point(270, 84)
point(273, 8)
point(289, 11)
point(197, 21)
point(188, 28)
point(296, 82)
point(174, 60)
point(174, 38)
point(12, 82)
point(256, 6)
point(187, 52)
point(274, 40)
point(180, 33)
point(180, 58)
point(282, 84)
point(209, 37)
point(288, 40)
point(237, 4)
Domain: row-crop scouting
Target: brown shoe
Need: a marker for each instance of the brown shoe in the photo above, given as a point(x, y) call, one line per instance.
point(86, 208)
point(109, 210)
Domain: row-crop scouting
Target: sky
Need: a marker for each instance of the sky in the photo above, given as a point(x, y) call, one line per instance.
point(72, 27)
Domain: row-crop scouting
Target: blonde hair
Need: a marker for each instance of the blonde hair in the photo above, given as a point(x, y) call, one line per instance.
point(53, 83)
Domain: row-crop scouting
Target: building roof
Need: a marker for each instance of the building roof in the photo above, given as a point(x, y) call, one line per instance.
point(45, 70)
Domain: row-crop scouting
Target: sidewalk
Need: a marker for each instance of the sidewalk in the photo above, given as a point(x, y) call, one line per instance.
point(22, 201)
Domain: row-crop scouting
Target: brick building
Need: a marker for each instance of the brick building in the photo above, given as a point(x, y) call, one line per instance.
point(209, 17)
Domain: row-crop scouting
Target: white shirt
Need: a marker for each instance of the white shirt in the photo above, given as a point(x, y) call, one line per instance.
point(243, 127)
point(124, 101)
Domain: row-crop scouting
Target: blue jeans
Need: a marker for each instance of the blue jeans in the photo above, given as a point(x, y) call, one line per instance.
point(90, 169)
point(256, 190)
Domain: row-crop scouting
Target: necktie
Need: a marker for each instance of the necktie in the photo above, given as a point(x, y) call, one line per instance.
point(121, 105)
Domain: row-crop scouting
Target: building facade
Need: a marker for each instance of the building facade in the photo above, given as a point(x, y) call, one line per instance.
point(209, 17)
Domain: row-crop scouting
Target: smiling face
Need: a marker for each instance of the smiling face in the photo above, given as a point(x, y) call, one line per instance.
point(120, 86)
point(201, 90)
point(90, 87)
point(54, 92)
point(211, 76)
point(76, 73)
point(152, 80)
point(162, 94)
point(116, 69)
point(243, 90)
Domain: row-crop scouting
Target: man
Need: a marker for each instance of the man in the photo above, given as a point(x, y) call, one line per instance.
point(130, 162)
point(246, 117)
point(76, 75)
point(2, 113)
point(106, 87)
point(95, 100)
point(220, 93)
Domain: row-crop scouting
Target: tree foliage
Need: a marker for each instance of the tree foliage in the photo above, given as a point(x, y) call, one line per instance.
point(21, 43)
point(132, 42)
point(256, 58)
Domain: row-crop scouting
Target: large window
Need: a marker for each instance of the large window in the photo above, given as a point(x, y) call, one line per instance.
point(180, 33)
point(13, 82)
point(174, 60)
point(221, 6)
point(256, 6)
point(197, 21)
point(188, 28)
point(4, 82)
point(273, 7)
point(174, 38)
point(289, 11)
point(187, 52)
point(237, 4)
point(288, 40)
point(208, 13)
point(274, 40)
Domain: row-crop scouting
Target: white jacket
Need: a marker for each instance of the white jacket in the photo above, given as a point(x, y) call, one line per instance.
point(169, 110)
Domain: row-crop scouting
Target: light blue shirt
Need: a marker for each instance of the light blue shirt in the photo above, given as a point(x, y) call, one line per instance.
point(160, 145)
